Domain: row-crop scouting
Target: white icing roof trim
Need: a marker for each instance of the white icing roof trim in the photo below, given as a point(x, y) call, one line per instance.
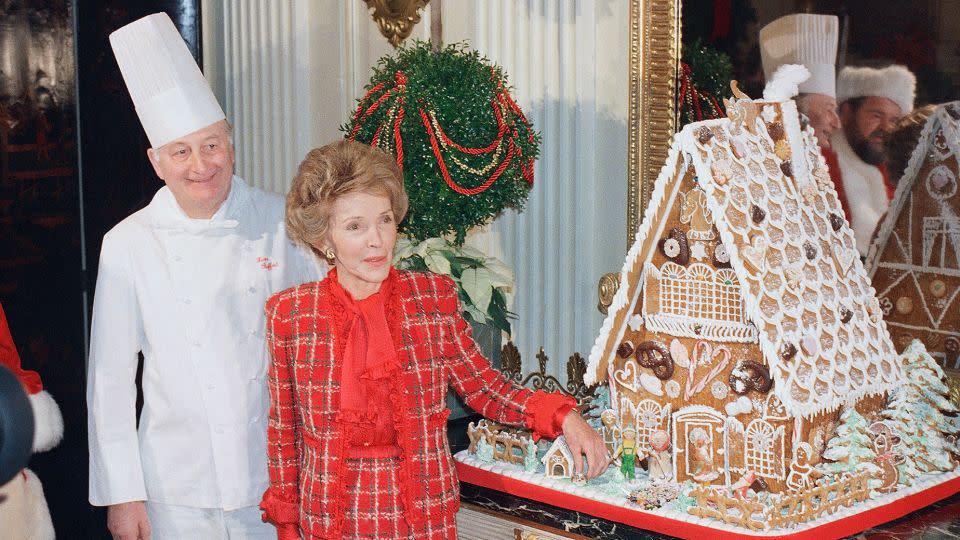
point(620, 298)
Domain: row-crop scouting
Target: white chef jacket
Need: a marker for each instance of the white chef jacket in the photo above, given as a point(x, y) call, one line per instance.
point(190, 295)
point(865, 188)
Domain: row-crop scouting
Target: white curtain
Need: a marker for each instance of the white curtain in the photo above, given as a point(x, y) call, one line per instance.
point(289, 74)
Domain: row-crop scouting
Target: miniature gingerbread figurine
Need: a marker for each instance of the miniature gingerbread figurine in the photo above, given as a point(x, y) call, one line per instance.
point(659, 462)
point(741, 486)
point(883, 442)
point(610, 430)
point(802, 473)
point(628, 454)
point(704, 469)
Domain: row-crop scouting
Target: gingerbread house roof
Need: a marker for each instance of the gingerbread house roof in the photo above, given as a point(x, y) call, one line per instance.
point(802, 283)
point(558, 445)
point(939, 141)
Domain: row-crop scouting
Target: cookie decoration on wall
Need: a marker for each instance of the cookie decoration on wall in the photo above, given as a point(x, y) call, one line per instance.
point(655, 356)
point(675, 247)
point(749, 375)
point(695, 212)
point(721, 257)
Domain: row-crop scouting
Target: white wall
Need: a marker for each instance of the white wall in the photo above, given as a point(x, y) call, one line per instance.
point(289, 74)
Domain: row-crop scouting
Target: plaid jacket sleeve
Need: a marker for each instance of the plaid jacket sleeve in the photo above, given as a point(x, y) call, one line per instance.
point(489, 392)
point(280, 502)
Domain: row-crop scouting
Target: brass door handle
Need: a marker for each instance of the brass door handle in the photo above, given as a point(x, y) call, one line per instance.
point(606, 289)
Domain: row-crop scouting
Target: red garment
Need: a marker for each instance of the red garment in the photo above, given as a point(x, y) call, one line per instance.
point(369, 361)
point(834, 167)
point(10, 359)
point(310, 477)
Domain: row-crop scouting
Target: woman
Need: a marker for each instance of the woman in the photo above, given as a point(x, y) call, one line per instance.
point(361, 364)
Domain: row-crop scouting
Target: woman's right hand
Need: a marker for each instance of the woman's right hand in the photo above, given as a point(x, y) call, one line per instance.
point(128, 521)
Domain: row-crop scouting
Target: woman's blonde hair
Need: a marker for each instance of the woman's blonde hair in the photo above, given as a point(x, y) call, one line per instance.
point(332, 171)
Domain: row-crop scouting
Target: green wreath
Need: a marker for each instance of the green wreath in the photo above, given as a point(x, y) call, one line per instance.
point(465, 147)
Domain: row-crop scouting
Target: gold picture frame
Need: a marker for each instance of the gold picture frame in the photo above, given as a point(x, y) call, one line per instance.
point(653, 67)
point(654, 62)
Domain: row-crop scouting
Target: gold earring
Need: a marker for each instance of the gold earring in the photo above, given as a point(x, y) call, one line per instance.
point(329, 254)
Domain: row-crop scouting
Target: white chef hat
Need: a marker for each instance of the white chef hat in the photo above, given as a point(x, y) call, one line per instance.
point(806, 39)
point(171, 96)
point(894, 82)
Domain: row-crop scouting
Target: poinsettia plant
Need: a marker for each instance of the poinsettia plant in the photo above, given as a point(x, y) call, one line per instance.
point(483, 282)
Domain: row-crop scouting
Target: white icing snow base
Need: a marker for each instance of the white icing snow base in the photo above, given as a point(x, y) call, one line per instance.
point(608, 489)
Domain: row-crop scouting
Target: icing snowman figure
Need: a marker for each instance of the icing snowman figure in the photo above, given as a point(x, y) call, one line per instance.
point(659, 461)
point(484, 451)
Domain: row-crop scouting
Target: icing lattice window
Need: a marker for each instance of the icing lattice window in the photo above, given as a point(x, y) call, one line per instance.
point(648, 416)
point(764, 449)
point(942, 233)
point(697, 301)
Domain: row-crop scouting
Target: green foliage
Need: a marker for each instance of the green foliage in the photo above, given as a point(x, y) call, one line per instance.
point(712, 69)
point(483, 282)
point(710, 73)
point(458, 86)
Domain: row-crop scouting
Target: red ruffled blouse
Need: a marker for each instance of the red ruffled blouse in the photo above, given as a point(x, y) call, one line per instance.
point(369, 364)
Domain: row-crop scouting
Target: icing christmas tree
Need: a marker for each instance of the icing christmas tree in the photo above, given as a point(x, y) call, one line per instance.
point(899, 416)
point(851, 448)
point(926, 396)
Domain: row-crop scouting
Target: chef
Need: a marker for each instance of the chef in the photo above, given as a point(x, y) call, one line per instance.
point(184, 281)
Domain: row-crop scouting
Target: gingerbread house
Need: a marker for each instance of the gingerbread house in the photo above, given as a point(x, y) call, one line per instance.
point(914, 262)
point(744, 319)
point(558, 461)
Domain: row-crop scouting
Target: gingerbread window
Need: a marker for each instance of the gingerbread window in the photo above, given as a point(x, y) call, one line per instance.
point(648, 416)
point(764, 449)
point(696, 301)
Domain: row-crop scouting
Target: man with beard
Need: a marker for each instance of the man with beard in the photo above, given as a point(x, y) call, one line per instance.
point(809, 40)
point(871, 102)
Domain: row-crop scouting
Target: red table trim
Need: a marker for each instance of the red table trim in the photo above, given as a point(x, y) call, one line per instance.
point(664, 525)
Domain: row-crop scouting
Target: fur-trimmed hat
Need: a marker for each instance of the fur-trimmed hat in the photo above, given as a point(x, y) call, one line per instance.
point(894, 82)
point(806, 39)
point(47, 420)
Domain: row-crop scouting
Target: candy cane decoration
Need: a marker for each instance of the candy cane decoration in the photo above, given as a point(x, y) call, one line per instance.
point(708, 351)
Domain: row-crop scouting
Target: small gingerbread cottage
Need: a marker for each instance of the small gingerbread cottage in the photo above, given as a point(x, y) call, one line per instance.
point(558, 461)
point(744, 319)
point(914, 262)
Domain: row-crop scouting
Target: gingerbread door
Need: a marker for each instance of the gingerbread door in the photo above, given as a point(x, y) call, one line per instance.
point(700, 445)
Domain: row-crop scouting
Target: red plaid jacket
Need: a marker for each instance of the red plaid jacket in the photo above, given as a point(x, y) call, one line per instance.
point(307, 443)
